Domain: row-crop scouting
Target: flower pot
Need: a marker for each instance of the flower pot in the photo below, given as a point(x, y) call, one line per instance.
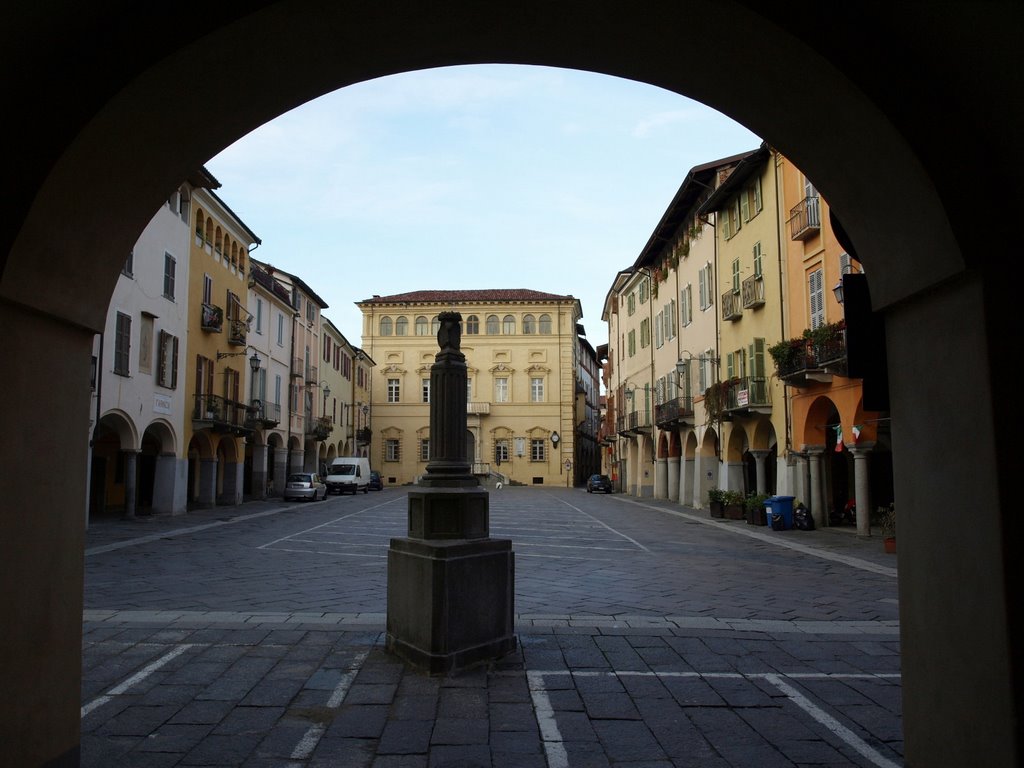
point(717, 509)
point(735, 512)
point(889, 542)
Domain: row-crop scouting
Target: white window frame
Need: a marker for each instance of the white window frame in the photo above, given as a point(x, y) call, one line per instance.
point(394, 387)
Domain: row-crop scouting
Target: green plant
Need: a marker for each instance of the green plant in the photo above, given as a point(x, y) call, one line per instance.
point(824, 334)
point(886, 517)
point(716, 496)
point(755, 501)
point(786, 353)
point(734, 498)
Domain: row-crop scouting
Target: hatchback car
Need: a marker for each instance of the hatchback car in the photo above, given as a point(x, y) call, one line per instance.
point(601, 483)
point(376, 481)
point(304, 485)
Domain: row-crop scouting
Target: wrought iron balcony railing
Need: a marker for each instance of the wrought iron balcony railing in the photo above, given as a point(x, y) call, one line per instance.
point(747, 392)
point(264, 414)
point(752, 292)
point(220, 414)
point(237, 332)
point(320, 427)
point(211, 318)
point(731, 309)
point(677, 411)
point(805, 218)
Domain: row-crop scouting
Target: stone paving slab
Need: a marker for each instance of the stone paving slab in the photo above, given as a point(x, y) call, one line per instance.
point(710, 671)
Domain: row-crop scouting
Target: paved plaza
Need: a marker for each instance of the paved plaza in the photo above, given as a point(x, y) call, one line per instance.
point(648, 635)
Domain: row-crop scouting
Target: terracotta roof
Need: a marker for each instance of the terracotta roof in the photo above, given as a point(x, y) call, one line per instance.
point(483, 295)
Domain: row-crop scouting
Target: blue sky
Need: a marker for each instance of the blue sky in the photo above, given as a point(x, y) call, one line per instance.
point(484, 176)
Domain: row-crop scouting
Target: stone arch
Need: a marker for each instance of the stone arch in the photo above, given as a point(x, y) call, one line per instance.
point(907, 216)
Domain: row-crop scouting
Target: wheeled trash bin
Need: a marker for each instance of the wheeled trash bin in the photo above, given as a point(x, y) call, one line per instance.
point(780, 512)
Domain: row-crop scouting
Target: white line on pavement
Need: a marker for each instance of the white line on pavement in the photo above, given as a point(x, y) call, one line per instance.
point(142, 674)
point(304, 749)
point(329, 522)
point(617, 533)
point(554, 747)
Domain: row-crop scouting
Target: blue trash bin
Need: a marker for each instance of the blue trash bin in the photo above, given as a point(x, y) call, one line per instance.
point(780, 505)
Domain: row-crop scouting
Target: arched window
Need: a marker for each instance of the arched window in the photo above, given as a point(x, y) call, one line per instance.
point(218, 241)
point(545, 324)
point(421, 326)
point(529, 324)
point(435, 325)
point(508, 325)
point(472, 324)
point(402, 326)
point(385, 326)
point(200, 222)
point(492, 325)
point(241, 260)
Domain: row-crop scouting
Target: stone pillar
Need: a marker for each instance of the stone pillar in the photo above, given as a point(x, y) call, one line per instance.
point(673, 478)
point(759, 457)
point(165, 492)
point(207, 483)
point(280, 471)
point(130, 489)
point(258, 481)
point(817, 500)
point(687, 482)
point(295, 464)
point(862, 486)
point(451, 587)
point(660, 478)
point(231, 491)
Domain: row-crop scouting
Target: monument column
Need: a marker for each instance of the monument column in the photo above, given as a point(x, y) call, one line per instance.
point(451, 587)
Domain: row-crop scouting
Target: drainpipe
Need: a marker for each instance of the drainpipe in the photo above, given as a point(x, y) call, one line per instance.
point(782, 300)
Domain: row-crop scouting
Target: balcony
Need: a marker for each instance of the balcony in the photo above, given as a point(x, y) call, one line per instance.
point(264, 414)
point(312, 374)
point(237, 332)
point(813, 358)
point(746, 394)
point(363, 435)
point(752, 292)
point(477, 409)
point(673, 413)
point(319, 428)
point(211, 318)
point(221, 415)
point(731, 308)
point(298, 367)
point(805, 218)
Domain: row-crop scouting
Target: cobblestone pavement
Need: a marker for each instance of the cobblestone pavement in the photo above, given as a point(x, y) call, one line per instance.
point(648, 635)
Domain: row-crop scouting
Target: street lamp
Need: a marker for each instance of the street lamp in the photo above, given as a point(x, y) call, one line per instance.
point(837, 290)
point(327, 393)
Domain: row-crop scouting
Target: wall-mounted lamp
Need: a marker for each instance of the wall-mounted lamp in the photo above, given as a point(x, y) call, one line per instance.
point(254, 361)
point(838, 289)
point(327, 392)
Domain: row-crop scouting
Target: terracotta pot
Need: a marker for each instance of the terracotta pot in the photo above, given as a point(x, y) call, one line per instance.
point(717, 509)
point(890, 544)
point(735, 512)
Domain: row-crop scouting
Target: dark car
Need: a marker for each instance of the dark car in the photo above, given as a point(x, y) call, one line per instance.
point(376, 481)
point(601, 483)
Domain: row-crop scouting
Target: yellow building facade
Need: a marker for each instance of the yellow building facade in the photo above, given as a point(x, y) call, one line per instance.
point(520, 348)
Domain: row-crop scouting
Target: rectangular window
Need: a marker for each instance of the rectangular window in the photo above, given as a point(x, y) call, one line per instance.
point(425, 449)
point(128, 268)
point(706, 286)
point(167, 363)
point(673, 320)
point(394, 390)
point(169, 268)
point(501, 390)
point(146, 343)
point(392, 449)
point(643, 291)
point(537, 448)
point(757, 259)
point(536, 389)
point(207, 289)
point(425, 390)
point(736, 275)
point(686, 305)
point(632, 343)
point(259, 315)
point(280, 329)
point(816, 296)
point(631, 303)
point(500, 450)
point(310, 311)
point(659, 329)
point(645, 333)
point(122, 343)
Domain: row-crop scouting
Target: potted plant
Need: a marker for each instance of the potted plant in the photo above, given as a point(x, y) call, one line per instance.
point(887, 522)
point(716, 500)
point(756, 514)
point(735, 505)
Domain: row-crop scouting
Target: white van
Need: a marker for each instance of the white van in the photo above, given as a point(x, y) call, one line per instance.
point(348, 474)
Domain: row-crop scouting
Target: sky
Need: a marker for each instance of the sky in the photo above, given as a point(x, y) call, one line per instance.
point(469, 177)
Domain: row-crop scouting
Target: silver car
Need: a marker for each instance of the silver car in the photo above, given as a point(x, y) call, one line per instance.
point(304, 485)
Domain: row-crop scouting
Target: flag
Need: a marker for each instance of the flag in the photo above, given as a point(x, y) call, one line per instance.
point(856, 432)
point(839, 438)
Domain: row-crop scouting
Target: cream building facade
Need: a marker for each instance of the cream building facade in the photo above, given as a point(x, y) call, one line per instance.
point(520, 348)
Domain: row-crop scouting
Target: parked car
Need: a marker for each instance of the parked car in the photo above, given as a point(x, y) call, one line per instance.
point(304, 485)
point(376, 481)
point(601, 483)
